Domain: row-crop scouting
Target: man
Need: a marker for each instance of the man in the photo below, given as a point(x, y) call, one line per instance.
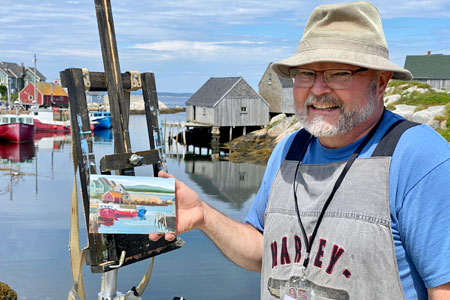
point(356, 205)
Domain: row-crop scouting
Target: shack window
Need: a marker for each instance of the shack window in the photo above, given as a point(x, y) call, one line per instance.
point(243, 109)
point(30, 97)
point(269, 78)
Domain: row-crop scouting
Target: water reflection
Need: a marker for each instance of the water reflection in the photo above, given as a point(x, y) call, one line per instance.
point(17, 152)
point(14, 157)
point(18, 160)
point(103, 136)
point(234, 183)
point(34, 227)
point(51, 141)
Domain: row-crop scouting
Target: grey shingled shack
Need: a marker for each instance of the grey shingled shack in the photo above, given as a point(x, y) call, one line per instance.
point(277, 91)
point(227, 101)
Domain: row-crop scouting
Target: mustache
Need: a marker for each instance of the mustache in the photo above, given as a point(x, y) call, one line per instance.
point(327, 99)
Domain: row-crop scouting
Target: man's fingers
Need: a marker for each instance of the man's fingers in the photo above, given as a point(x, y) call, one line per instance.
point(164, 174)
point(170, 236)
point(155, 236)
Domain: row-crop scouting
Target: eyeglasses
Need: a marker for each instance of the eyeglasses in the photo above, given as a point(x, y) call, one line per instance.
point(335, 79)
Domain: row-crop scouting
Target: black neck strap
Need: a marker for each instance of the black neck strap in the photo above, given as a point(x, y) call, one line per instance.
point(337, 184)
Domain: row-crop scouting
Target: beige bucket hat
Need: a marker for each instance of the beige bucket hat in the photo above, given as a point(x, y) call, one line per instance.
point(349, 33)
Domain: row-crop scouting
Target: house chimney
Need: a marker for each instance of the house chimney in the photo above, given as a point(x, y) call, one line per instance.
point(22, 69)
point(429, 52)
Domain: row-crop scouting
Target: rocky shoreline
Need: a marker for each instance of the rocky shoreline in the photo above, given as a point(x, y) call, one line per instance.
point(6, 292)
point(257, 146)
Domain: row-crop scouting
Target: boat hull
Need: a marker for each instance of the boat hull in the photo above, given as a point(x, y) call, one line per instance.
point(51, 127)
point(103, 123)
point(17, 132)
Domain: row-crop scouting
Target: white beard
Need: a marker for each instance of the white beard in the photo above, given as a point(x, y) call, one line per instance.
point(348, 120)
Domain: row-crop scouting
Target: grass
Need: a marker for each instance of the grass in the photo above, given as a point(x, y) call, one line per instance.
point(407, 84)
point(422, 100)
point(425, 100)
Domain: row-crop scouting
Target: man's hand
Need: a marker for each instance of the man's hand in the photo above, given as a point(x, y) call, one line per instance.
point(189, 210)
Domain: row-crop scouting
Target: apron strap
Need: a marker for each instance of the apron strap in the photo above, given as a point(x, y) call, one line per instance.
point(389, 141)
point(301, 140)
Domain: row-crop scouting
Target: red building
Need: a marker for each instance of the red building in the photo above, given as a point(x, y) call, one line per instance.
point(113, 197)
point(47, 94)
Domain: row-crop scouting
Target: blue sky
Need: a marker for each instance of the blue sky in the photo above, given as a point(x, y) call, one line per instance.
point(185, 42)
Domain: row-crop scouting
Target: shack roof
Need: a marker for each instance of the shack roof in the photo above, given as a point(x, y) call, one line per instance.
point(47, 89)
point(213, 91)
point(435, 66)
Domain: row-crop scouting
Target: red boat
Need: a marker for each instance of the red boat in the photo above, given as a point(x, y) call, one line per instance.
point(50, 120)
point(16, 128)
point(108, 211)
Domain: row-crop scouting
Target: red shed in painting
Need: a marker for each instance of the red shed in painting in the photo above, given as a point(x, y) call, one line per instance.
point(113, 197)
point(47, 94)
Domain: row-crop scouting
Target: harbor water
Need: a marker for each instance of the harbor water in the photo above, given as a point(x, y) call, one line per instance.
point(35, 193)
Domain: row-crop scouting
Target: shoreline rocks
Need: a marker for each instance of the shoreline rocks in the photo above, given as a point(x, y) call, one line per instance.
point(6, 292)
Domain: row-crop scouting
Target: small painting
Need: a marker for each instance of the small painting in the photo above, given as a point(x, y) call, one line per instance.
point(131, 204)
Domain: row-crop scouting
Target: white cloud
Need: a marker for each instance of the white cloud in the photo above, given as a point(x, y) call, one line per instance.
point(185, 48)
point(72, 52)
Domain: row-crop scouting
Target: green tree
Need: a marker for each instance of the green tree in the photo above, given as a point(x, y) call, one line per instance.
point(3, 90)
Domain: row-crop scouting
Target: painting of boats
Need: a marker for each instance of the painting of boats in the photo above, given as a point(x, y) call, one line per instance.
point(131, 204)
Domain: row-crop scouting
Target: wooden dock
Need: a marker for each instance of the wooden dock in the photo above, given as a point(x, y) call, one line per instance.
point(171, 131)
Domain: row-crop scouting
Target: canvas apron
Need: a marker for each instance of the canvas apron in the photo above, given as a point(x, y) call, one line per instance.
point(353, 253)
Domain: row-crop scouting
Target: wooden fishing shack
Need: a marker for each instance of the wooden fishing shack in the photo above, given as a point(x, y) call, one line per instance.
point(227, 103)
point(277, 91)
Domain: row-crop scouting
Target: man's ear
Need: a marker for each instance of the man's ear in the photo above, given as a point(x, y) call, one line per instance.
point(382, 81)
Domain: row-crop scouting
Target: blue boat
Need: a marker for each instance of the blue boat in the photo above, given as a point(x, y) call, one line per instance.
point(101, 119)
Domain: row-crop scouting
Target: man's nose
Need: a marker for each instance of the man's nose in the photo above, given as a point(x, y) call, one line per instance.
point(320, 86)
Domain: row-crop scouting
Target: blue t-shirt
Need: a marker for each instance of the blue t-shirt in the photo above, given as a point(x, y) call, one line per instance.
point(419, 195)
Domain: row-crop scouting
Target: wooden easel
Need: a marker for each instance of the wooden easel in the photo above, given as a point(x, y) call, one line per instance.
point(108, 252)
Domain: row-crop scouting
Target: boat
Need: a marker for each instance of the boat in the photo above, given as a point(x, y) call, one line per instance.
point(47, 120)
point(110, 211)
point(100, 119)
point(106, 211)
point(16, 128)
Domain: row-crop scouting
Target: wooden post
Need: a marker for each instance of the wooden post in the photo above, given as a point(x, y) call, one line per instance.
point(245, 130)
point(117, 101)
point(231, 133)
point(151, 113)
point(165, 128)
point(215, 142)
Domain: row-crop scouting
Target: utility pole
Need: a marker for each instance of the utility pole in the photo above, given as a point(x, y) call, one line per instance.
point(35, 75)
point(8, 83)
